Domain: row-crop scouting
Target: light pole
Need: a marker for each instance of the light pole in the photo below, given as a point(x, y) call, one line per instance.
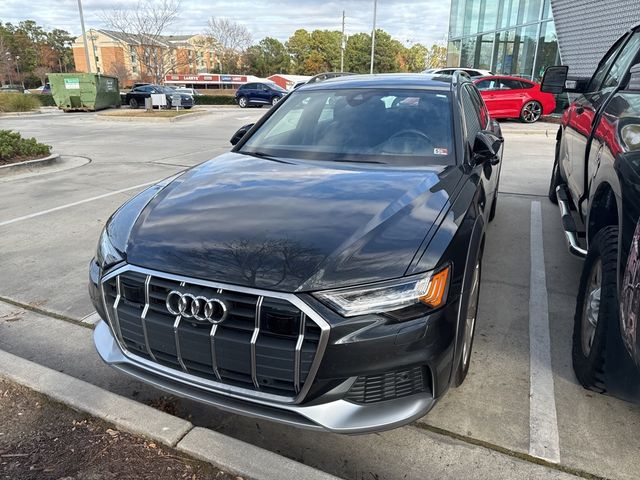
point(373, 33)
point(18, 70)
point(84, 37)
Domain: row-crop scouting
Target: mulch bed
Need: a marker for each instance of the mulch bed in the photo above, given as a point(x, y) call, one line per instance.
point(41, 440)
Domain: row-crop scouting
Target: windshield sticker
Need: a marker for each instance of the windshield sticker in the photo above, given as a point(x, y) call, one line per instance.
point(440, 151)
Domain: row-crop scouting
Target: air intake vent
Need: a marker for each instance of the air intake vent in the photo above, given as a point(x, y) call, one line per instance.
point(387, 386)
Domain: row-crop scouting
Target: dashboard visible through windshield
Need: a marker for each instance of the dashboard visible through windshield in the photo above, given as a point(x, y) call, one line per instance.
point(400, 126)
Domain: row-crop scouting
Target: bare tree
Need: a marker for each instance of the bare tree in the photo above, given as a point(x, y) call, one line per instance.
point(229, 40)
point(120, 71)
point(143, 29)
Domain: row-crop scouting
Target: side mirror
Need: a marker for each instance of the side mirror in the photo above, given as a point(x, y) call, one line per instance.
point(486, 148)
point(554, 79)
point(240, 133)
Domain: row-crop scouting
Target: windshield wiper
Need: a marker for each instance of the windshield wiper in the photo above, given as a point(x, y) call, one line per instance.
point(264, 155)
point(356, 161)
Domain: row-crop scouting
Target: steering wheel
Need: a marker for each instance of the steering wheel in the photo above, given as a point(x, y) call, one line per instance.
point(411, 132)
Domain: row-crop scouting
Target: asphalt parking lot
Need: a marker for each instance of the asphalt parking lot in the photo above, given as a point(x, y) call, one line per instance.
point(520, 406)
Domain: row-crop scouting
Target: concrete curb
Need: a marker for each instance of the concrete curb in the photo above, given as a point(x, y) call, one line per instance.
point(133, 118)
point(29, 164)
point(226, 453)
point(19, 114)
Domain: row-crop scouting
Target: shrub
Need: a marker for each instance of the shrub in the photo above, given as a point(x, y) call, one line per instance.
point(14, 147)
point(18, 102)
point(46, 100)
point(215, 100)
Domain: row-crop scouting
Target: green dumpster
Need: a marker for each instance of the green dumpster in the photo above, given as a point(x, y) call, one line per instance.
point(84, 91)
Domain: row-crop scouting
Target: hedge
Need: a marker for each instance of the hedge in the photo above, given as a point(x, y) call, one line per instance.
point(13, 146)
point(46, 99)
point(215, 100)
point(17, 102)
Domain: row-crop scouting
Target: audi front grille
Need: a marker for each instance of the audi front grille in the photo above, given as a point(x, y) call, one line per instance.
point(263, 343)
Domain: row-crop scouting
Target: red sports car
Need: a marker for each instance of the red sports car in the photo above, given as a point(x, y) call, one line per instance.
point(514, 97)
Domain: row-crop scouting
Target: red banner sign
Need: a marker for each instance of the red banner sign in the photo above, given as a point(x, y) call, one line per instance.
point(205, 78)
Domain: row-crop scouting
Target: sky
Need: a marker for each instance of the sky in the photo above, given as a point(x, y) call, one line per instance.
point(410, 21)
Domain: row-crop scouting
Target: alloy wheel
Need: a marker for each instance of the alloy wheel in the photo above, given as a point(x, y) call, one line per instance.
point(242, 102)
point(531, 112)
point(591, 309)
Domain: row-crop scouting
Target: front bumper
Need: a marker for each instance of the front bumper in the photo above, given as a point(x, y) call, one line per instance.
point(336, 415)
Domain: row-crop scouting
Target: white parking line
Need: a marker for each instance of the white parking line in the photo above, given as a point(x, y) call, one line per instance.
point(91, 319)
point(79, 202)
point(544, 440)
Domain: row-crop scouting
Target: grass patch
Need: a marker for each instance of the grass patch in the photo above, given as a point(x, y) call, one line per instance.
point(148, 114)
point(18, 102)
point(14, 148)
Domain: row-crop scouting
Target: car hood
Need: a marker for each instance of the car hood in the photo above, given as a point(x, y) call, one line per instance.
point(290, 226)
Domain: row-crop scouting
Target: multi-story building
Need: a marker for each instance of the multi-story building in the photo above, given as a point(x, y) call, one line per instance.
point(134, 58)
point(523, 37)
point(513, 37)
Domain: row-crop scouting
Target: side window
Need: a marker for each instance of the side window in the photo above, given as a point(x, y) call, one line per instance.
point(526, 85)
point(480, 107)
point(603, 66)
point(486, 85)
point(471, 114)
point(621, 65)
point(507, 84)
point(249, 86)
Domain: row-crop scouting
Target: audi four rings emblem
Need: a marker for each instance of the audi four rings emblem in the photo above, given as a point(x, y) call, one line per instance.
point(200, 308)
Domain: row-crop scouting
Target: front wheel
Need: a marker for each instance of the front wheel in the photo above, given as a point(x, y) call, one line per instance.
point(133, 103)
point(243, 102)
point(469, 325)
point(531, 112)
point(274, 100)
point(596, 309)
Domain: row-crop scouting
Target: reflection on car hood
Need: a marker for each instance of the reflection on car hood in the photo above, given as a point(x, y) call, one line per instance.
point(294, 226)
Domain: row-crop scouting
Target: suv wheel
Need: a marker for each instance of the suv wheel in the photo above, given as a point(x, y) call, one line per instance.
point(133, 103)
point(596, 309)
point(469, 325)
point(275, 100)
point(531, 112)
point(243, 102)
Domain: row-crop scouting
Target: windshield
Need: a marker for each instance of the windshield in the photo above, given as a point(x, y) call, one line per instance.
point(361, 125)
point(164, 89)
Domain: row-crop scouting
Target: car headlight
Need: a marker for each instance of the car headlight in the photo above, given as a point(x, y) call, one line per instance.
point(429, 289)
point(107, 255)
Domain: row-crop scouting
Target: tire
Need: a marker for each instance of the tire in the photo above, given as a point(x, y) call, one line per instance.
point(531, 112)
point(274, 100)
point(597, 303)
point(556, 178)
point(243, 102)
point(469, 325)
point(187, 108)
point(133, 103)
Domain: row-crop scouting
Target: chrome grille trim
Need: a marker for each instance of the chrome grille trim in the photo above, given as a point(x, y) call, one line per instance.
point(214, 386)
point(214, 360)
point(143, 317)
point(296, 367)
point(115, 310)
point(254, 339)
point(176, 336)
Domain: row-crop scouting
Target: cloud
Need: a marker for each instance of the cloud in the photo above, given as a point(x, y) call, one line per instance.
point(423, 21)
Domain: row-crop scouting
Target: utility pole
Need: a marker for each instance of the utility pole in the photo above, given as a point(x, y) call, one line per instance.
point(373, 33)
point(343, 45)
point(84, 36)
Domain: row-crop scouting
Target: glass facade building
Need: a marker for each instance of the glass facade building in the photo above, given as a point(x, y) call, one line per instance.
point(510, 37)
